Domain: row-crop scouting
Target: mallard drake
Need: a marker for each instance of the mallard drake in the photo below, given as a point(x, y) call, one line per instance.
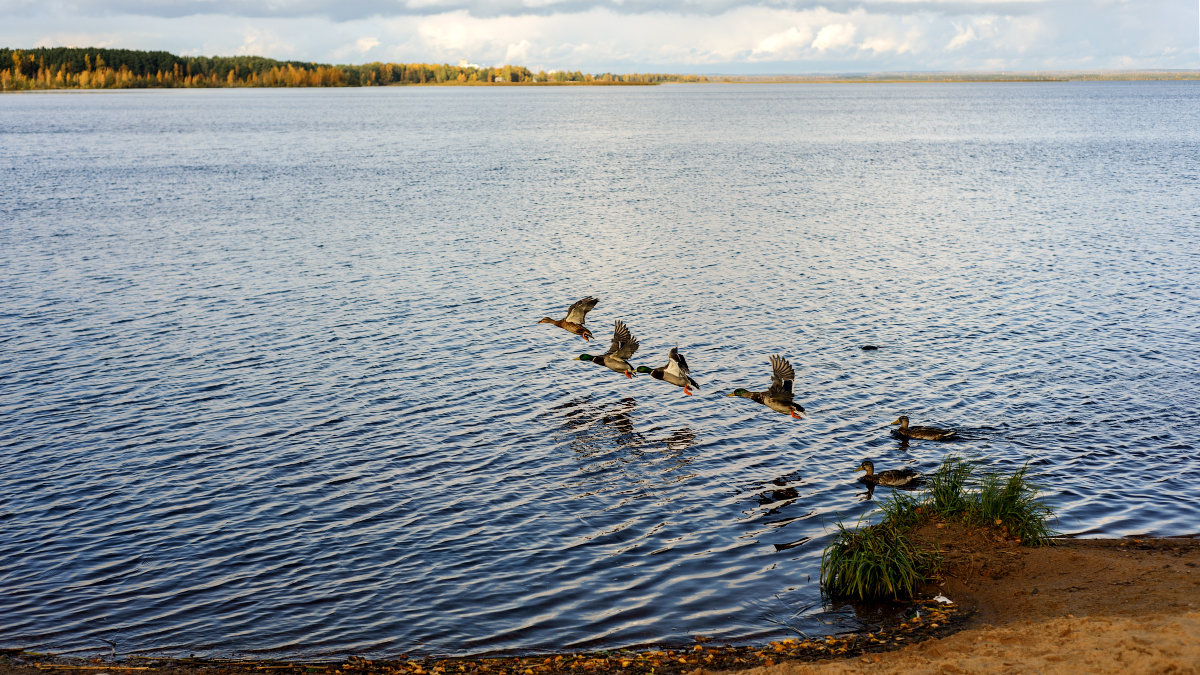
point(923, 433)
point(891, 477)
point(617, 357)
point(675, 372)
point(779, 396)
point(576, 314)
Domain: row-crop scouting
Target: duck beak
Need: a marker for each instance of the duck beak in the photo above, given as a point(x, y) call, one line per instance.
point(860, 469)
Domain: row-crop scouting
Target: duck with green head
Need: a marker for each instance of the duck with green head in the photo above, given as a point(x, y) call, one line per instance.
point(576, 314)
point(923, 433)
point(779, 396)
point(617, 357)
point(675, 372)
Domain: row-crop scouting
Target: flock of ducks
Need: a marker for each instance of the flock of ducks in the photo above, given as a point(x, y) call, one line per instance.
point(777, 397)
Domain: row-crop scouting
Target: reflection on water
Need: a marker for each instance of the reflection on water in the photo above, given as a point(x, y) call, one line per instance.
point(271, 383)
point(597, 428)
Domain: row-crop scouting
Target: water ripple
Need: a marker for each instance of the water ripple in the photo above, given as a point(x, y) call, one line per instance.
point(289, 398)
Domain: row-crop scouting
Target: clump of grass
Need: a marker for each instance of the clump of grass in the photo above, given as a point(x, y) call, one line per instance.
point(882, 561)
point(946, 489)
point(878, 561)
point(1011, 503)
point(903, 511)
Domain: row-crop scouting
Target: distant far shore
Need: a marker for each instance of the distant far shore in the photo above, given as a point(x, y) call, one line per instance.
point(43, 68)
point(1083, 605)
point(1081, 76)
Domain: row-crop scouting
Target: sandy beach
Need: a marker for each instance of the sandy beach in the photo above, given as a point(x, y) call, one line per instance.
point(1082, 606)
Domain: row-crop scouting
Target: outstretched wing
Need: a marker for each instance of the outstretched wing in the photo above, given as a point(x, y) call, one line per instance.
point(579, 310)
point(623, 344)
point(677, 366)
point(781, 378)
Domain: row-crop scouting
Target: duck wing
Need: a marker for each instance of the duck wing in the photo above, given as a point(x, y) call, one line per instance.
point(623, 343)
point(578, 311)
point(677, 366)
point(782, 376)
point(931, 432)
point(898, 476)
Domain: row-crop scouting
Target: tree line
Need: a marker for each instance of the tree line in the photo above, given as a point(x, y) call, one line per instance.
point(93, 68)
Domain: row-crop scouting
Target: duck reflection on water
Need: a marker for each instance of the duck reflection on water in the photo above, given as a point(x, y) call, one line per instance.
point(780, 491)
point(597, 428)
point(680, 439)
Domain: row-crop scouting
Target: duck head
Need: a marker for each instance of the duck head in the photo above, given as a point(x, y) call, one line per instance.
point(583, 357)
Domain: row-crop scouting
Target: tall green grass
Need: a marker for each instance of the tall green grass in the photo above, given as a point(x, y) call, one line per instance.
point(946, 490)
point(877, 561)
point(882, 561)
point(1011, 502)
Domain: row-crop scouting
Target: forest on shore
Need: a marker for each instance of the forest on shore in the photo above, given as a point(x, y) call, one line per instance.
point(96, 68)
point(93, 68)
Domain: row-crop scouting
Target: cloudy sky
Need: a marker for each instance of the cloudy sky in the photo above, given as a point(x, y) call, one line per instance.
point(682, 36)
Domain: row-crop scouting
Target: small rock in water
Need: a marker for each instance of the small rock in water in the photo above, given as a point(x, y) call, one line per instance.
point(868, 348)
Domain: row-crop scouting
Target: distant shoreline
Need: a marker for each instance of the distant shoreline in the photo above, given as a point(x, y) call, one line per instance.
point(50, 68)
point(1035, 76)
point(748, 80)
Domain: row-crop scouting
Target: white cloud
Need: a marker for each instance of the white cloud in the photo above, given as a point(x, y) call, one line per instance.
point(785, 44)
point(360, 50)
point(76, 39)
point(257, 41)
point(834, 36)
point(963, 36)
point(518, 53)
point(880, 45)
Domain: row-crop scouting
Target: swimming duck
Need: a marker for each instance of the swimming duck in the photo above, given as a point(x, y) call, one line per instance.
point(617, 357)
point(891, 477)
point(779, 396)
point(675, 372)
point(924, 433)
point(573, 322)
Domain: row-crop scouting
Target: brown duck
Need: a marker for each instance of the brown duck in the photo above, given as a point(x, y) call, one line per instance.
point(923, 433)
point(576, 314)
point(890, 477)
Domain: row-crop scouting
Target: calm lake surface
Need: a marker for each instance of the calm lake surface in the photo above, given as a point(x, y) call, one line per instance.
point(271, 382)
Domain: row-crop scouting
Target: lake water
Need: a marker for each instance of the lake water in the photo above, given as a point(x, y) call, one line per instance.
point(271, 382)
